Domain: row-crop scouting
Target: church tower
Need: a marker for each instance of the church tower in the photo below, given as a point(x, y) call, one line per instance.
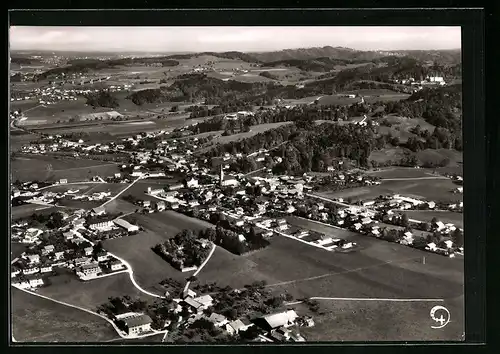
point(221, 175)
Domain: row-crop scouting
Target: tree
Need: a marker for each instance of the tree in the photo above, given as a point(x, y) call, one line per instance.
point(458, 237)
point(404, 220)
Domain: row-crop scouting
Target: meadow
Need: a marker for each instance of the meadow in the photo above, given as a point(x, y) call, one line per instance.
point(39, 320)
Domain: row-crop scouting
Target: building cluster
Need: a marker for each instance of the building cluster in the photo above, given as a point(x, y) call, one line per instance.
point(68, 246)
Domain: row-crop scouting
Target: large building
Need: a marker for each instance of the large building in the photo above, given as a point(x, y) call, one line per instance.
point(126, 225)
point(137, 324)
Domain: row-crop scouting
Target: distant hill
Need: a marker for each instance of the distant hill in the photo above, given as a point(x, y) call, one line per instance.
point(318, 64)
point(317, 52)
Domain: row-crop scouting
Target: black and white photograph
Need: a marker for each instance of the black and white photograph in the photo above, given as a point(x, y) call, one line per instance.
point(231, 185)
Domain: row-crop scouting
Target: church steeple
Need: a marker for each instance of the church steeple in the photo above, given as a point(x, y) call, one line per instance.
point(221, 175)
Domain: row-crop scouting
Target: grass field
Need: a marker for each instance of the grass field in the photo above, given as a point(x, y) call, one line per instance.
point(149, 268)
point(402, 172)
point(35, 319)
point(91, 294)
point(37, 168)
point(26, 210)
point(382, 321)
point(435, 190)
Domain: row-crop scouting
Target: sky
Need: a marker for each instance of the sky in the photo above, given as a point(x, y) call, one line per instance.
point(218, 39)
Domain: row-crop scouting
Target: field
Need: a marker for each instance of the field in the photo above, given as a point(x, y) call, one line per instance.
point(402, 172)
point(49, 168)
point(26, 210)
point(378, 269)
point(388, 321)
point(91, 294)
point(149, 268)
point(435, 190)
point(35, 319)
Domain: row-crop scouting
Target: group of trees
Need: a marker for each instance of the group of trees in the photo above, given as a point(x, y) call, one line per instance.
point(103, 98)
point(228, 238)
point(52, 221)
point(182, 250)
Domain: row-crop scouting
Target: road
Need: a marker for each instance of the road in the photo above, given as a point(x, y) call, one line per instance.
point(66, 184)
point(412, 178)
point(120, 193)
point(201, 266)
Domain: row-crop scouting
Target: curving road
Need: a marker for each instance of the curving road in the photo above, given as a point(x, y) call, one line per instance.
point(201, 266)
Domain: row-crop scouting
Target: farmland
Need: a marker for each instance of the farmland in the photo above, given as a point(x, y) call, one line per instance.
point(342, 321)
point(49, 168)
point(149, 268)
point(35, 319)
point(68, 288)
point(428, 189)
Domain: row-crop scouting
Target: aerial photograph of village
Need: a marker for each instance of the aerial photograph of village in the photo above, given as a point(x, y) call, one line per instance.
point(236, 184)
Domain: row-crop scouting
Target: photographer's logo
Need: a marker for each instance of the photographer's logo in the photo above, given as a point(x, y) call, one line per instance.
point(440, 315)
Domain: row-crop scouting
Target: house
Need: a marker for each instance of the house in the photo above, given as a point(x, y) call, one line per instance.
point(101, 225)
point(126, 225)
point(238, 325)
point(194, 305)
point(63, 181)
point(99, 211)
point(88, 250)
point(146, 203)
point(102, 256)
point(366, 221)
point(23, 284)
point(58, 255)
point(138, 324)
point(281, 319)
point(357, 226)
point(192, 183)
point(35, 281)
point(81, 261)
point(218, 320)
point(48, 249)
point(33, 258)
point(160, 206)
point(33, 270)
point(116, 265)
point(206, 301)
point(90, 269)
point(46, 268)
point(440, 225)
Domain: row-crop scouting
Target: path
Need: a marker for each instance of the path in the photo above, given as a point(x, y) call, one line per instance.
point(120, 333)
point(201, 266)
point(120, 193)
point(364, 299)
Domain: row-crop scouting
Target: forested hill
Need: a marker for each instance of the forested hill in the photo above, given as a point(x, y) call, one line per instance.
point(441, 107)
point(318, 64)
point(200, 86)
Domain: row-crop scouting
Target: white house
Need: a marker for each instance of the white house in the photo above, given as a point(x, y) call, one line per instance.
point(192, 183)
point(35, 281)
point(138, 324)
point(116, 265)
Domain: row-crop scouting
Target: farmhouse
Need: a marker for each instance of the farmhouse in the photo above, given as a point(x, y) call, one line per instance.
point(138, 324)
point(46, 269)
point(160, 206)
point(126, 225)
point(99, 211)
point(91, 269)
point(81, 261)
point(33, 258)
point(101, 225)
point(102, 256)
point(238, 325)
point(281, 319)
